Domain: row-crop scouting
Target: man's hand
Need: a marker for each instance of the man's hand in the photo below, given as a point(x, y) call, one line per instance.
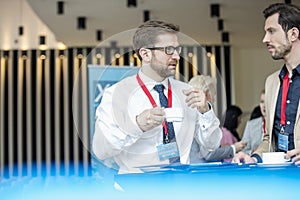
point(196, 98)
point(294, 155)
point(239, 146)
point(241, 157)
point(150, 118)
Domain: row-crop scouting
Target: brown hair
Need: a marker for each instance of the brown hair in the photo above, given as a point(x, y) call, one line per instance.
point(146, 34)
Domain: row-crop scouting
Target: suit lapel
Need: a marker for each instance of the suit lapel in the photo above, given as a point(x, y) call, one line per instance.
point(273, 96)
point(298, 115)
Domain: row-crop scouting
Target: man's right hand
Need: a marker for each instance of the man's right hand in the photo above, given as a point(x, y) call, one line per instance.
point(150, 118)
point(242, 157)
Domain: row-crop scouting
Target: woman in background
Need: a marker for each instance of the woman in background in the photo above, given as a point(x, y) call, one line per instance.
point(232, 121)
point(230, 135)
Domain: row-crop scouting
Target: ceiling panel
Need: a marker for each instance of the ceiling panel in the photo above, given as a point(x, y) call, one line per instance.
point(242, 19)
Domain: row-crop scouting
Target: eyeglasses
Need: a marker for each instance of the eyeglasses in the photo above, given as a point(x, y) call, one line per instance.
point(169, 50)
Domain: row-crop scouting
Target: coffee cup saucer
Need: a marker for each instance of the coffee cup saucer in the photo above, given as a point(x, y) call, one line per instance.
point(275, 164)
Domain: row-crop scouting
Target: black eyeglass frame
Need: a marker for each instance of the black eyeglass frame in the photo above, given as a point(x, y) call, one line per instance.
point(169, 50)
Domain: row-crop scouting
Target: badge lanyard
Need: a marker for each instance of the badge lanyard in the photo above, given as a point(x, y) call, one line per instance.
point(264, 126)
point(285, 89)
point(146, 91)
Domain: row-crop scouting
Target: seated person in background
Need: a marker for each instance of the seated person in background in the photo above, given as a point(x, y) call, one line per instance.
point(230, 135)
point(208, 85)
point(130, 125)
point(256, 113)
point(255, 128)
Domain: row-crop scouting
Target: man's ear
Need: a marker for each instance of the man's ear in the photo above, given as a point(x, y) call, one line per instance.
point(294, 34)
point(145, 54)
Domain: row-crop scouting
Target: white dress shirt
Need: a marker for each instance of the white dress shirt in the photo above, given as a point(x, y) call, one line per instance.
point(118, 136)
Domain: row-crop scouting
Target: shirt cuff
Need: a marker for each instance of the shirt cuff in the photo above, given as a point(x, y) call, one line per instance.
point(233, 148)
point(209, 115)
point(259, 160)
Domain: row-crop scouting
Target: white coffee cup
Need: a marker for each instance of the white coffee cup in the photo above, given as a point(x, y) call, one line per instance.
point(173, 114)
point(274, 158)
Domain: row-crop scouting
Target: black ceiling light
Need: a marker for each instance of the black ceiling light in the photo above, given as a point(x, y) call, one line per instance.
point(288, 1)
point(21, 30)
point(220, 24)
point(225, 37)
point(146, 15)
point(98, 35)
point(81, 23)
point(42, 40)
point(215, 10)
point(131, 3)
point(60, 7)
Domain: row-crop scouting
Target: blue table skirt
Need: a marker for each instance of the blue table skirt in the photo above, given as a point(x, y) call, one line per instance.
point(210, 181)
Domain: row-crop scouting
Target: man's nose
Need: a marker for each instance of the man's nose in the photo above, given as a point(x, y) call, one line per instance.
point(176, 55)
point(266, 39)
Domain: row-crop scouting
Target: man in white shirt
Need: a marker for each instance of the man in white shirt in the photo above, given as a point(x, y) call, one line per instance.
point(130, 126)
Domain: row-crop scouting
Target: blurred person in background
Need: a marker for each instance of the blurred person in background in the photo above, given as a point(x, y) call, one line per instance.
point(256, 127)
point(230, 136)
point(226, 151)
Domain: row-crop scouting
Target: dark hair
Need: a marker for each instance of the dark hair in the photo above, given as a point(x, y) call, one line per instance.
point(256, 113)
point(231, 120)
point(289, 15)
point(146, 34)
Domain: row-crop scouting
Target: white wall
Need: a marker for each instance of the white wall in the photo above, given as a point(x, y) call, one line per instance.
point(251, 66)
point(14, 13)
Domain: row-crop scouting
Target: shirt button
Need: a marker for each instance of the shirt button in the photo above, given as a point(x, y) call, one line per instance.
point(288, 122)
point(288, 101)
point(291, 81)
point(203, 126)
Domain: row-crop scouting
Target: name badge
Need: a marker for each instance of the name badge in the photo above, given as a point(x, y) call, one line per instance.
point(166, 151)
point(283, 141)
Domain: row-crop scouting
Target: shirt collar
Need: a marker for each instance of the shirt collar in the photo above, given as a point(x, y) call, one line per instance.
point(295, 72)
point(282, 73)
point(150, 83)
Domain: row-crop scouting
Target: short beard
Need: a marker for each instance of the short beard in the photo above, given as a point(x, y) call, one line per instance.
point(283, 51)
point(160, 69)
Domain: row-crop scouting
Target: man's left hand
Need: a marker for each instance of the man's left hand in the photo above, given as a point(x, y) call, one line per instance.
point(196, 98)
